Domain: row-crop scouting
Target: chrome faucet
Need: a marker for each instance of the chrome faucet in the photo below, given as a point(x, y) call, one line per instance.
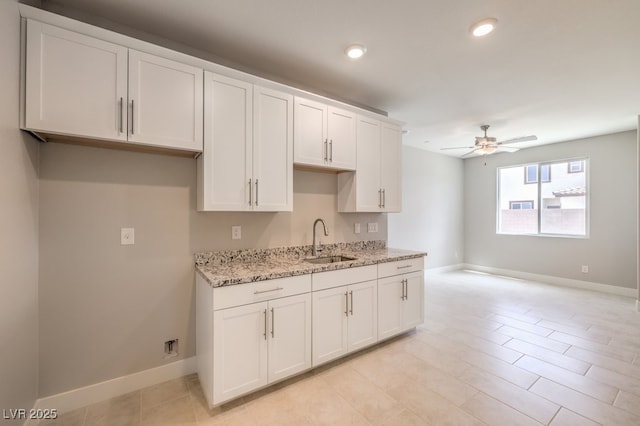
point(314, 250)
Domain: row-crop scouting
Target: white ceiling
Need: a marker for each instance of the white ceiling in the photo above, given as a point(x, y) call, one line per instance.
point(560, 69)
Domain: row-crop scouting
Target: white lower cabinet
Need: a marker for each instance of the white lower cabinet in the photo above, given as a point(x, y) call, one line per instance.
point(344, 319)
point(400, 297)
point(244, 346)
point(251, 335)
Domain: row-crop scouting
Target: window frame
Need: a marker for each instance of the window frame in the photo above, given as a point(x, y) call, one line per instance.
point(538, 173)
point(584, 166)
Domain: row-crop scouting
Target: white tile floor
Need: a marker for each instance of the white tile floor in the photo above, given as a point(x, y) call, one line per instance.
point(493, 350)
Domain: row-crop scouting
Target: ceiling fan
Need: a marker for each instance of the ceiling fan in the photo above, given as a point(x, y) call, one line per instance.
point(486, 145)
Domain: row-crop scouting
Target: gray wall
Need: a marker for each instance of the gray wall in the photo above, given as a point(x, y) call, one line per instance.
point(18, 231)
point(432, 207)
point(610, 251)
point(106, 309)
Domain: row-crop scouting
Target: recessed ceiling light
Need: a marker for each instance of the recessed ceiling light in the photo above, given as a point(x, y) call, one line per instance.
point(355, 51)
point(483, 27)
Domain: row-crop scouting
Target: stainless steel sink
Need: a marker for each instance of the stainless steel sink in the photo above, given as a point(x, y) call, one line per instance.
point(329, 259)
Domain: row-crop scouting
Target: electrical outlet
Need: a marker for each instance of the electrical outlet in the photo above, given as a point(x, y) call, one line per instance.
point(127, 236)
point(585, 269)
point(356, 228)
point(236, 232)
point(372, 227)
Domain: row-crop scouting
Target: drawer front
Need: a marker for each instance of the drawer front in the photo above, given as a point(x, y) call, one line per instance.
point(390, 269)
point(260, 291)
point(330, 279)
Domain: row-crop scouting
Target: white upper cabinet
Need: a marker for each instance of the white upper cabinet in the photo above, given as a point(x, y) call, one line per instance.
point(247, 161)
point(325, 136)
point(376, 186)
point(224, 168)
point(391, 167)
point(272, 150)
point(83, 87)
point(75, 85)
point(341, 132)
point(165, 98)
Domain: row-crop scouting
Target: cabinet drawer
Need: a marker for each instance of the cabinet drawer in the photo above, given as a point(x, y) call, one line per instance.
point(330, 279)
point(242, 294)
point(400, 267)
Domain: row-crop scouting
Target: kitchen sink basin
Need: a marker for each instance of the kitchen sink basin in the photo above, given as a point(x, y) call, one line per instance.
point(329, 259)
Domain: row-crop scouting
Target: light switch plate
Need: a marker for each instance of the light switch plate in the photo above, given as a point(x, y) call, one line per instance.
point(372, 227)
point(127, 236)
point(356, 228)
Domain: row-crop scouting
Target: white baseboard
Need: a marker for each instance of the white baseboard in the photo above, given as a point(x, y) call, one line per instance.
point(442, 269)
point(77, 398)
point(564, 282)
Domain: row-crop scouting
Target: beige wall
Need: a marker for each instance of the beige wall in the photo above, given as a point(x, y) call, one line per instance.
point(18, 231)
point(106, 309)
point(432, 207)
point(610, 251)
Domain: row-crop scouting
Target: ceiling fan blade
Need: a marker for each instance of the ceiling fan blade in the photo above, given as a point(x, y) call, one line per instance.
point(458, 147)
point(469, 153)
point(520, 139)
point(507, 148)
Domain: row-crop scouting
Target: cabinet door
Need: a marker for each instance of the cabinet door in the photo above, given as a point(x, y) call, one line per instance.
point(290, 336)
point(272, 150)
point(341, 131)
point(224, 168)
point(75, 85)
point(414, 301)
point(329, 324)
point(363, 315)
point(165, 101)
point(390, 307)
point(240, 350)
point(391, 167)
point(310, 134)
point(368, 189)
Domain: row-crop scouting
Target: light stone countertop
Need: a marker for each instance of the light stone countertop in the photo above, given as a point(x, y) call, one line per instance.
point(225, 268)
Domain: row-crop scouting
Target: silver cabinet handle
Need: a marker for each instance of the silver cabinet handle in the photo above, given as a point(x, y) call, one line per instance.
point(256, 192)
point(325, 150)
point(404, 297)
point(267, 291)
point(403, 267)
point(132, 109)
point(351, 310)
point(250, 192)
point(384, 198)
point(406, 289)
point(380, 197)
point(121, 118)
point(331, 150)
point(346, 303)
point(273, 328)
point(265, 325)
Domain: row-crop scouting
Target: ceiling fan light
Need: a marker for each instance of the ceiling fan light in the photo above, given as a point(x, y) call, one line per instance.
point(483, 27)
point(355, 51)
point(486, 150)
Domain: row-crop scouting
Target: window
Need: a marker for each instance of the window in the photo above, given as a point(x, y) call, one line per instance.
point(520, 205)
point(531, 173)
point(552, 199)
